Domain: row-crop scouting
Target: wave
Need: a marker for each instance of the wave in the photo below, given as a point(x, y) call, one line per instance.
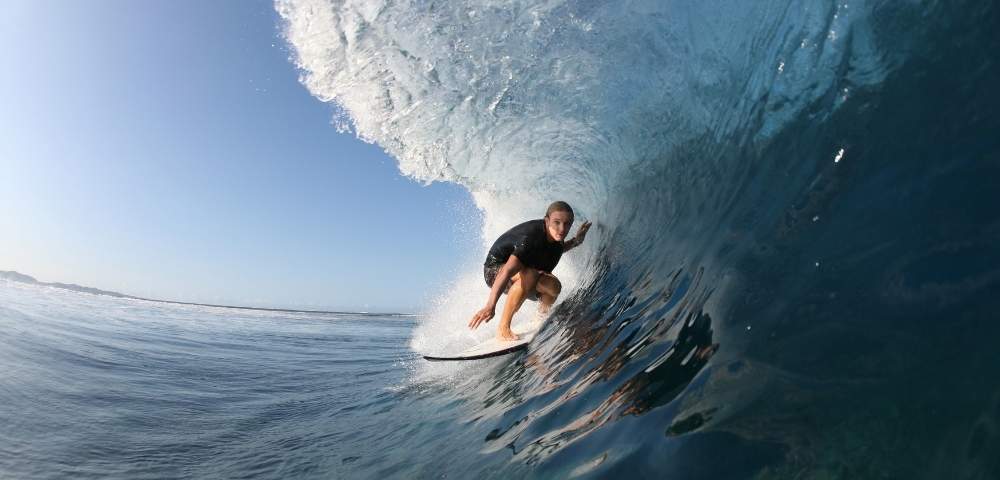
point(787, 197)
point(572, 99)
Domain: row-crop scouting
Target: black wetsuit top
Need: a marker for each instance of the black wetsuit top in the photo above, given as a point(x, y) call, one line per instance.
point(530, 244)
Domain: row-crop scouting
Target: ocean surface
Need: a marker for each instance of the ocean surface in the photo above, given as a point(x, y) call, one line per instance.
point(94, 386)
point(794, 268)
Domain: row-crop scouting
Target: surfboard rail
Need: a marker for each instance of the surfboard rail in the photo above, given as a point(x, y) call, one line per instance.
point(520, 346)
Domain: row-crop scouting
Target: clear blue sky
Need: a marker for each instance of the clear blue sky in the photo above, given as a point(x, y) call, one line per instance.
point(167, 149)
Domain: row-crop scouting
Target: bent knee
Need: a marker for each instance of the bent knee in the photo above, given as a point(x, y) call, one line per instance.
point(550, 285)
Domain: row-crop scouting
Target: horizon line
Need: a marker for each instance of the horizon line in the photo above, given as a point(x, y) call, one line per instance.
point(20, 278)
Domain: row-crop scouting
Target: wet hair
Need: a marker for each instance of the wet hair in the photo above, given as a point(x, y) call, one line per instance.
point(560, 206)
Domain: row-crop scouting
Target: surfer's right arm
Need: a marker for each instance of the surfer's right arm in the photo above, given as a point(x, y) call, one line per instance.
point(507, 271)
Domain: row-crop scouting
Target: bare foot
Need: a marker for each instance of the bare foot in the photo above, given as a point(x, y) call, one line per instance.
point(507, 336)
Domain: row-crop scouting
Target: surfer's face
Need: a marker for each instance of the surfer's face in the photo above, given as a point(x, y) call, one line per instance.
point(557, 225)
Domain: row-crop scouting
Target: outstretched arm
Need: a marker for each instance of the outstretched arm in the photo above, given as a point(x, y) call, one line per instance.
point(581, 234)
point(508, 270)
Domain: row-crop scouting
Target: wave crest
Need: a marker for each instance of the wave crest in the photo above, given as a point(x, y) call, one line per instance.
point(567, 99)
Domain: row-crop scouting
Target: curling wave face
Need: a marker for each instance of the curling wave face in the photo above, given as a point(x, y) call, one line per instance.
point(571, 99)
point(789, 195)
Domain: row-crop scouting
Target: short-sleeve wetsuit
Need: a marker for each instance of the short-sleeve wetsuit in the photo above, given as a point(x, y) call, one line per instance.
point(532, 247)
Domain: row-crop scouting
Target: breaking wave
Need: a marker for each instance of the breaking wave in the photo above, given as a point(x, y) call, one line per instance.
point(794, 251)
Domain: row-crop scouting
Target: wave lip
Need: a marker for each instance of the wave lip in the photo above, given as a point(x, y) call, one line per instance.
point(569, 99)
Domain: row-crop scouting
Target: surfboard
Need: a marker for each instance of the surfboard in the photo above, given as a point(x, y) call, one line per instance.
point(492, 347)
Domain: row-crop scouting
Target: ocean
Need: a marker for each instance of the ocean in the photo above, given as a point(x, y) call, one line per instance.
point(101, 387)
point(793, 270)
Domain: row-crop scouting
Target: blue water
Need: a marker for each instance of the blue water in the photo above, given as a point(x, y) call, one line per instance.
point(95, 386)
point(793, 272)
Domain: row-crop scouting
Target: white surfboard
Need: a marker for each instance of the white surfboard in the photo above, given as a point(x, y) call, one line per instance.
point(492, 347)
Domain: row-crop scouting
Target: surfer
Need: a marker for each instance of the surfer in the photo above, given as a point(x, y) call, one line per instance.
point(520, 264)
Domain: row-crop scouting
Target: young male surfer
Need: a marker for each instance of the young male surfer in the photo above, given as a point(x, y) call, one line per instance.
point(520, 264)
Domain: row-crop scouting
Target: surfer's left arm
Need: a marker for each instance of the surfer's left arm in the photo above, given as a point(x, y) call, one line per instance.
point(581, 235)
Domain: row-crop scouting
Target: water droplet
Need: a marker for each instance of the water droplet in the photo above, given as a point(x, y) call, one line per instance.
point(840, 155)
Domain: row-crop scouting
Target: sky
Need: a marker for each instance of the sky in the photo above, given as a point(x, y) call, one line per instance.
point(167, 149)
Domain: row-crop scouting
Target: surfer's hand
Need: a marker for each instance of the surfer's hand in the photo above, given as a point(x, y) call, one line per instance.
point(482, 316)
point(582, 233)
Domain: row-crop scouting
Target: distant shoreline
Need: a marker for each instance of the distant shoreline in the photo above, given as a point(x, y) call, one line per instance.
point(22, 278)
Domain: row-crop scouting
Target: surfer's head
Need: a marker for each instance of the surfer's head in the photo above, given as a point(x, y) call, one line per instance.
point(558, 220)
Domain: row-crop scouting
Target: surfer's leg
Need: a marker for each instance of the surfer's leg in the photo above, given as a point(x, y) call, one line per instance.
point(524, 282)
point(548, 288)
